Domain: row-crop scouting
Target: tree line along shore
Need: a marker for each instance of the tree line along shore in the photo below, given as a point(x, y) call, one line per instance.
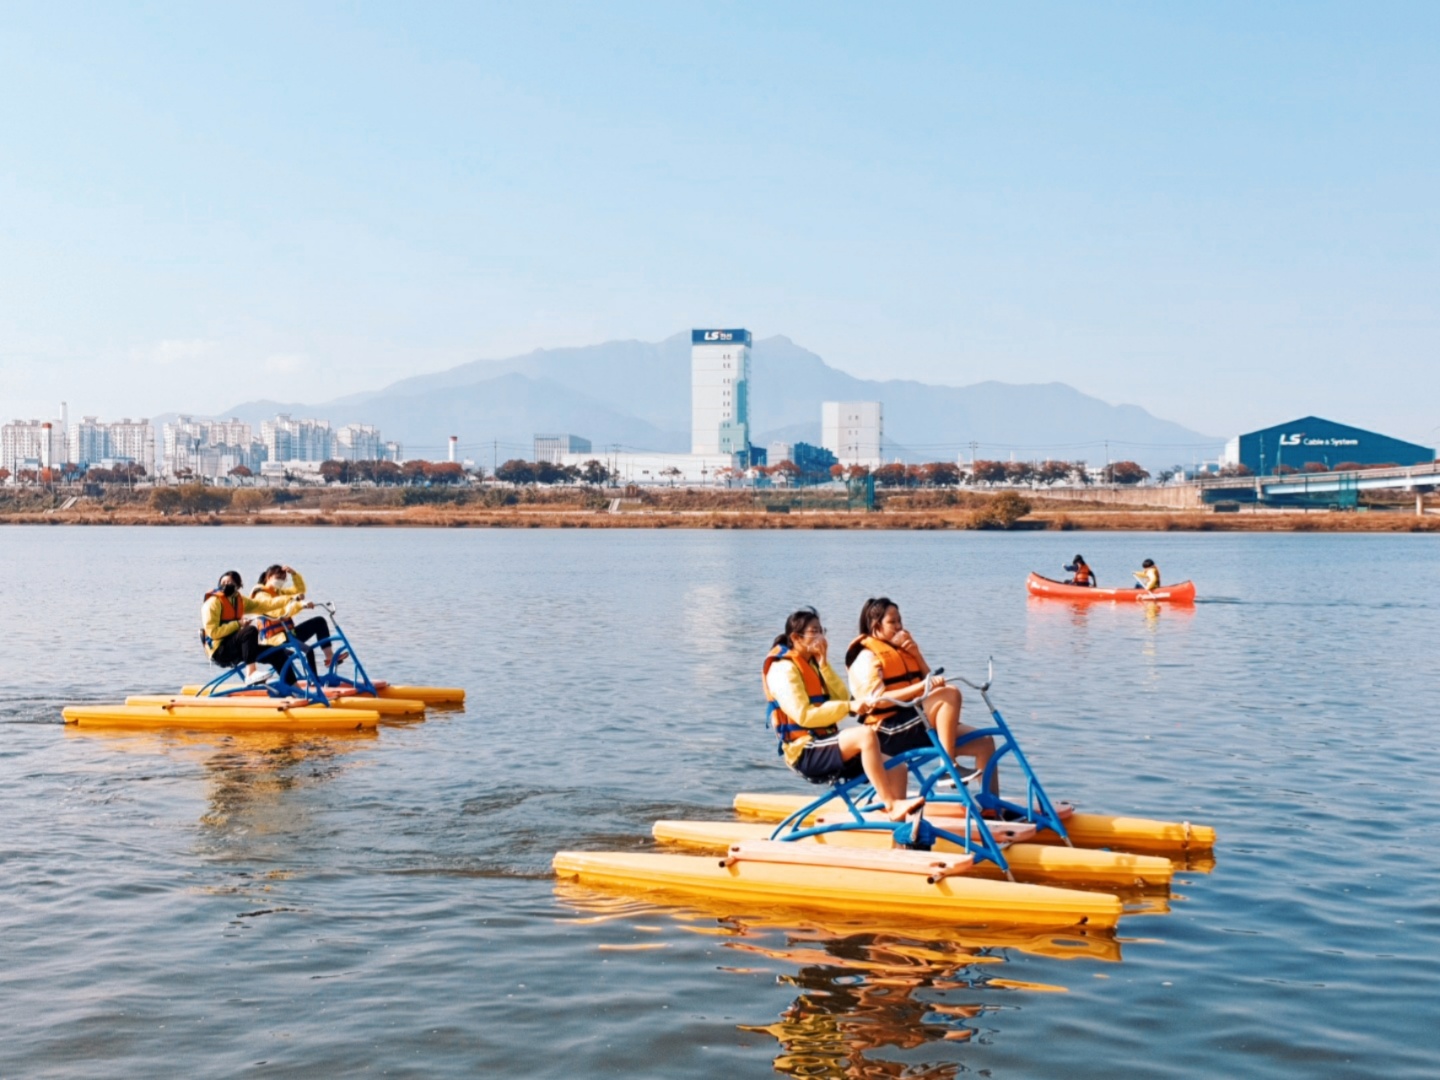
point(500, 505)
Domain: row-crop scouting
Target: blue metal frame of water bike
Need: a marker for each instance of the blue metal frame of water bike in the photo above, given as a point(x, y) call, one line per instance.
point(296, 677)
point(931, 765)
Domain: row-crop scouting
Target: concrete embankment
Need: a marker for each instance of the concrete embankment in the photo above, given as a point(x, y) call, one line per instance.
point(1170, 497)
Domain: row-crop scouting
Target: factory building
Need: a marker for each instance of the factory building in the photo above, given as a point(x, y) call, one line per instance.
point(1312, 443)
point(551, 447)
point(642, 468)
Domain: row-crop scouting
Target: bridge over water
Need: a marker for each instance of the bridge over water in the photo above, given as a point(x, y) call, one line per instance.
point(1322, 489)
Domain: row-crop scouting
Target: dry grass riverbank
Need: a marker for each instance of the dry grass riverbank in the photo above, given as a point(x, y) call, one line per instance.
point(679, 509)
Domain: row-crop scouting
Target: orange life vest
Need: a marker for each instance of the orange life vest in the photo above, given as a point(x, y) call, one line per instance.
point(785, 728)
point(232, 609)
point(268, 624)
point(1082, 574)
point(898, 669)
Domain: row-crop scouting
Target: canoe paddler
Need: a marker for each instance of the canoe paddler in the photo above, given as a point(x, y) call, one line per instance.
point(885, 662)
point(285, 581)
point(808, 700)
point(227, 638)
point(1080, 573)
point(1148, 576)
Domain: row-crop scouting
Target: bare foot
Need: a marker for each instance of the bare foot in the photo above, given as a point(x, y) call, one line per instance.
point(904, 808)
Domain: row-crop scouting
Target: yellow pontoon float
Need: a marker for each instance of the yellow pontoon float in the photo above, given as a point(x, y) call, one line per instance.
point(225, 714)
point(1029, 861)
point(810, 875)
point(1173, 839)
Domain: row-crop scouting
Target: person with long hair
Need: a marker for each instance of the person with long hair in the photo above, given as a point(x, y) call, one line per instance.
point(884, 661)
point(808, 700)
point(272, 630)
point(224, 632)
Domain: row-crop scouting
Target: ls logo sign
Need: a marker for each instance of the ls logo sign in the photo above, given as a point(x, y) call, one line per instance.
point(1291, 440)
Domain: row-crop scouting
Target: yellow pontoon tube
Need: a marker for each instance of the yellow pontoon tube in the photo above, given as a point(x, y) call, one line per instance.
point(426, 695)
point(957, 899)
point(390, 707)
point(197, 714)
point(430, 695)
point(1028, 861)
point(1140, 835)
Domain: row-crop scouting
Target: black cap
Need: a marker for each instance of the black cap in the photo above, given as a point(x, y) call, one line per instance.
point(1148, 562)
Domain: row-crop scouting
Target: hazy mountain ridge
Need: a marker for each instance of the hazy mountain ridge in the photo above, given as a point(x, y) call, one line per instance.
point(636, 395)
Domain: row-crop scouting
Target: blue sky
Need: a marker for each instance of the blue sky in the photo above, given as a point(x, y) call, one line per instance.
point(1225, 213)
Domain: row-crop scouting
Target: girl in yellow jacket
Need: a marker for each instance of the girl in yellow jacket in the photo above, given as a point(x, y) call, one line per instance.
point(228, 638)
point(885, 661)
point(807, 701)
point(273, 585)
point(1148, 577)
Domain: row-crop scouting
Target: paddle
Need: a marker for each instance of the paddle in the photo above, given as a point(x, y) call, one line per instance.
point(1145, 593)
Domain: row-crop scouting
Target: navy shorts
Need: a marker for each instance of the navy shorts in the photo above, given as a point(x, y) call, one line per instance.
point(906, 730)
point(821, 762)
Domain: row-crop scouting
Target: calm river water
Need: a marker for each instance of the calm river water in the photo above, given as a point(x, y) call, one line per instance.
point(219, 906)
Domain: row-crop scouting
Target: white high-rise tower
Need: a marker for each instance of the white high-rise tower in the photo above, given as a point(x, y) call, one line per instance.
point(719, 391)
point(854, 431)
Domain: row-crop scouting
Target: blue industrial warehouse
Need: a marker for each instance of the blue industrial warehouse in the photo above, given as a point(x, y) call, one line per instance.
point(1312, 442)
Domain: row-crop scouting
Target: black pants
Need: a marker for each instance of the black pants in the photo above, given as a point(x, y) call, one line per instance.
point(312, 629)
point(244, 647)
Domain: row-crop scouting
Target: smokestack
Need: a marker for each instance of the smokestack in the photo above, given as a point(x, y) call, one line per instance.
point(453, 440)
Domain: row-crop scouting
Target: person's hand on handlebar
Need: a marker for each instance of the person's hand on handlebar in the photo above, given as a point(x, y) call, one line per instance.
point(862, 708)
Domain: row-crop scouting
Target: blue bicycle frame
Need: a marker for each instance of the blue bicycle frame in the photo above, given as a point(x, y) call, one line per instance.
point(931, 765)
point(296, 677)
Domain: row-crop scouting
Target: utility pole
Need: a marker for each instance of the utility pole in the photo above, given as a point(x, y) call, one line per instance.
point(494, 456)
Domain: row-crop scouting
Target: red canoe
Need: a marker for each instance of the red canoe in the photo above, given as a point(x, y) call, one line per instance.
point(1183, 593)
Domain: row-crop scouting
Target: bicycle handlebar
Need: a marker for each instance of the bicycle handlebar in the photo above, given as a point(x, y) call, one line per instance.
point(982, 687)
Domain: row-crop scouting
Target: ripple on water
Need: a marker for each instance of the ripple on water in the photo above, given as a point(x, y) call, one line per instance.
point(213, 905)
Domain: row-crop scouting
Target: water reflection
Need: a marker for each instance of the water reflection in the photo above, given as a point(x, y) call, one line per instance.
point(864, 993)
point(1081, 612)
point(247, 774)
point(865, 988)
point(248, 780)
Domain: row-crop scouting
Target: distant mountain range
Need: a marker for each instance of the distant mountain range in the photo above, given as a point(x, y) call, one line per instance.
point(636, 395)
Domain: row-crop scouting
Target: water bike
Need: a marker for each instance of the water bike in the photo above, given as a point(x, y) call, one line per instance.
point(294, 696)
point(331, 684)
point(1029, 841)
point(1055, 823)
point(943, 861)
point(1183, 593)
